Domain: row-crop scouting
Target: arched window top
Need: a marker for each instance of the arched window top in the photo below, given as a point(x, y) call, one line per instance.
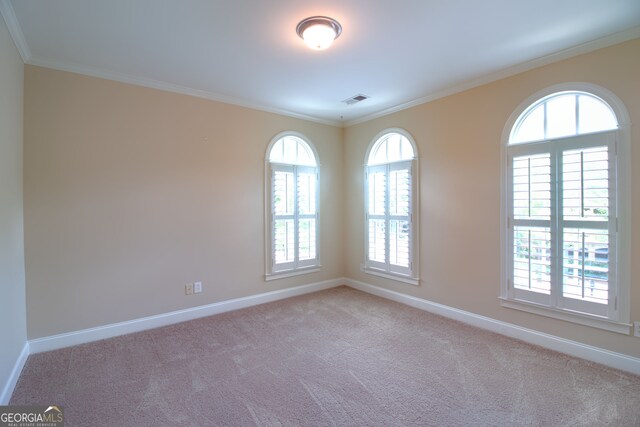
point(292, 150)
point(392, 146)
point(563, 114)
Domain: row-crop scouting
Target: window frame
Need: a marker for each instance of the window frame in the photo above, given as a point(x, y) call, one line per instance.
point(409, 275)
point(618, 319)
point(296, 267)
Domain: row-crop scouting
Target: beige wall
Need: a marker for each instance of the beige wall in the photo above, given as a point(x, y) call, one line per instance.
point(132, 192)
point(459, 142)
point(13, 331)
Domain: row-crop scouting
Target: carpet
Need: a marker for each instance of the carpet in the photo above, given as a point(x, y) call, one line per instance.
point(339, 357)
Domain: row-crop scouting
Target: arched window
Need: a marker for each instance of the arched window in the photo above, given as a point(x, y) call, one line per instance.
point(390, 204)
point(292, 208)
point(562, 208)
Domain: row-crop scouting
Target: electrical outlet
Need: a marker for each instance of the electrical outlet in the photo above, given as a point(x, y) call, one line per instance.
point(197, 287)
point(636, 329)
point(188, 289)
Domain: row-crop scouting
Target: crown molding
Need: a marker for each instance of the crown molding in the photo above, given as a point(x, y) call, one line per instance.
point(587, 47)
point(170, 87)
point(7, 12)
point(6, 9)
point(9, 15)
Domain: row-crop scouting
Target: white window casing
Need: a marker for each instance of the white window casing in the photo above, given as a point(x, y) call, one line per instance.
point(292, 207)
point(391, 243)
point(566, 207)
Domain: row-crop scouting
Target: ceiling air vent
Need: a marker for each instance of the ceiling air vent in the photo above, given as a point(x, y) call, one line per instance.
point(355, 99)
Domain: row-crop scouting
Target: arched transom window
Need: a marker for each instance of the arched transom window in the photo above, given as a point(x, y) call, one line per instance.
point(563, 114)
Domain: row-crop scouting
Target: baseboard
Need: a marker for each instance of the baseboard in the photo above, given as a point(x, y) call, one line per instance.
point(572, 348)
point(562, 345)
point(116, 329)
point(10, 385)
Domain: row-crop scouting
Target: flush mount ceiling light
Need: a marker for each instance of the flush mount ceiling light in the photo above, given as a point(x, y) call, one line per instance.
point(318, 32)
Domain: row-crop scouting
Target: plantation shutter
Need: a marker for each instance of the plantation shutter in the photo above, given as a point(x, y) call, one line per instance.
point(306, 221)
point(283, 199)
point(400, 217)
point(295, 216)
point(562, 223)
point(377, 216)
point(388, 219)
point(587, 242)
point(532, 225)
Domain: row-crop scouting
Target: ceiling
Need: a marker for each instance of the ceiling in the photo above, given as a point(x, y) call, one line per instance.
point(246, 52)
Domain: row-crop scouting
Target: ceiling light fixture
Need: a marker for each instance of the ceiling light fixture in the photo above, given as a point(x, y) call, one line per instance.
point(318, 32)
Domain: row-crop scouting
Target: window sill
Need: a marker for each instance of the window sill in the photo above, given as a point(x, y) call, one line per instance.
point(291, 273)
point(396, 277)
point(568, 316)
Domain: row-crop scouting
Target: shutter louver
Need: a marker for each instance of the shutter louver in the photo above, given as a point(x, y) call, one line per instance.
point(532, 259)
point(585, 181)
point(532, 187)
point(585, 258)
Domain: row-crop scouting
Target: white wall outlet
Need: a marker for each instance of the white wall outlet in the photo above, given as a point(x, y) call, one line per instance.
point(636, 329)
point(188, 289)
point(197, 287)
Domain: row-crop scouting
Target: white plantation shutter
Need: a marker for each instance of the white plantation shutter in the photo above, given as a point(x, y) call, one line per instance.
point(376, 216)
point(306, 178)
point(562, 223)
point(400, 217)
point(587, 223)
point(389, 215)
point(294, 195)
point(284, 194)
point(531, 232)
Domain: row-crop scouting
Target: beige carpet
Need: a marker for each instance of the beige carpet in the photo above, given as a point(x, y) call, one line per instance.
point(334, 358)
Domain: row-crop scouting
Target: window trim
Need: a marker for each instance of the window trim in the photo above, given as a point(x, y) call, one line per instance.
point(623, 147)
point(414, 277)
point(306, 268)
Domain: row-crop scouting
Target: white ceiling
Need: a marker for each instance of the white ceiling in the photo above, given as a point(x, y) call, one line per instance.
point(246, 52)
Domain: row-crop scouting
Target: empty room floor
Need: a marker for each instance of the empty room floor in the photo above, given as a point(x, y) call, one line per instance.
point(336, 357)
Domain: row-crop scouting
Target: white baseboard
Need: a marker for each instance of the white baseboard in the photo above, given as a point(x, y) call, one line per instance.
point(116, 329)
point(572, 348)
point(10, 385)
